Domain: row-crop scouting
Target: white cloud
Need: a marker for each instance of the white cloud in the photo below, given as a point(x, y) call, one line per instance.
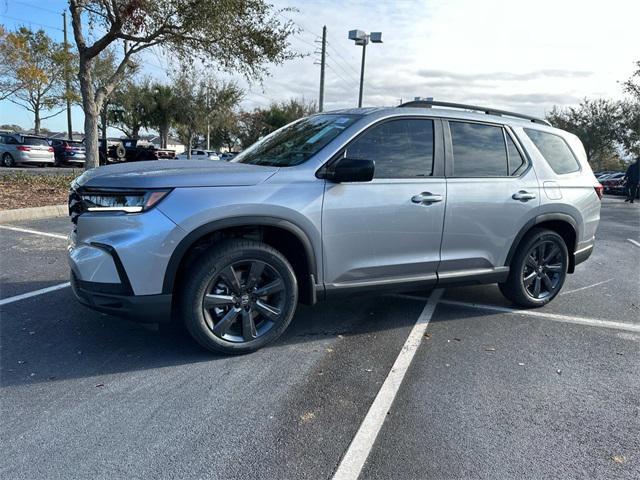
point(526, 56)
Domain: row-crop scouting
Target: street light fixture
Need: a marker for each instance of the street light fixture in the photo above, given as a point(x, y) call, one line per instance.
point(362, 38)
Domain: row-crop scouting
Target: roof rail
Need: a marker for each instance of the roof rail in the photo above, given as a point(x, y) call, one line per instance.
point(488, 111)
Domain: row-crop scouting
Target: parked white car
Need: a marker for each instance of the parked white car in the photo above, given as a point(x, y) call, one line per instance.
point(200, 155)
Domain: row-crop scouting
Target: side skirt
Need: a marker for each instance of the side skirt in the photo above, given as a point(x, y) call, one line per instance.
point(454, 278)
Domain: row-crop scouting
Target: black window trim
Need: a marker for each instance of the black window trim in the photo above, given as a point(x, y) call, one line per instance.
point(448, 143)
point(438, 149)
point(573, 154)
point(507, 131)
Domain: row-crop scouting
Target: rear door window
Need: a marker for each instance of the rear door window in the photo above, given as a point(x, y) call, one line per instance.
point(400, 148)
point(478, 150)
point(34, 141)
point(555, 151)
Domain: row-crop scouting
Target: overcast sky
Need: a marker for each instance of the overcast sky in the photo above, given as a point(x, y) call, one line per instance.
point(523, 56)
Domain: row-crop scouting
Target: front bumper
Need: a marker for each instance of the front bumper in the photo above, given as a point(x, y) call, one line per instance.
point(141, 308)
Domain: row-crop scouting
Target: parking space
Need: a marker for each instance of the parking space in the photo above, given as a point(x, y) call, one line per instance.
point(489, 394)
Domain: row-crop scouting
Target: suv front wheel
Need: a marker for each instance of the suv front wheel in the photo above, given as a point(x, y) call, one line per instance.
point(239, 296)
point(538, 269)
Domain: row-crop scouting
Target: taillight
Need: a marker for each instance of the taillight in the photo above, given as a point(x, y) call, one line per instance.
point(22, 148)
point(599, 190)
point(50, 149)
point(68, 148)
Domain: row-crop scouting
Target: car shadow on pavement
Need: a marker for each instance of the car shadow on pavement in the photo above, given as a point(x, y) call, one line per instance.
point(51, 337)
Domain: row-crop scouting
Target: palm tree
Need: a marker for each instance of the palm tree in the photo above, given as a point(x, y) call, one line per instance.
point(163, 111)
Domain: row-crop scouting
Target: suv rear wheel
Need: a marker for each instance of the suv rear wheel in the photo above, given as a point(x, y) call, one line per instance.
point(538, 269)
point(239, 297)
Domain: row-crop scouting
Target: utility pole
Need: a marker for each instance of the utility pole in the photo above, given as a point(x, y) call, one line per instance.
point(208, 113)
point(67, 80)
point(322, 62)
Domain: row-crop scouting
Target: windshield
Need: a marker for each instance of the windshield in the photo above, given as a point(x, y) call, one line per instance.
point(295, 143)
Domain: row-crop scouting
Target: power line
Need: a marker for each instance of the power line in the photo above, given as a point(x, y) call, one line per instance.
point(348, 74)
point(343, 59)
point(347, 83)
point(37, 7)
point(32, 22)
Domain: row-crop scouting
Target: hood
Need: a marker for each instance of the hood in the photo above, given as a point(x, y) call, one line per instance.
point(175, 174)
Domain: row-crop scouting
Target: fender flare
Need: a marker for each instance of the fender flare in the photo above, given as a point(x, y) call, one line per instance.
point(545, 217)
point(242, 221)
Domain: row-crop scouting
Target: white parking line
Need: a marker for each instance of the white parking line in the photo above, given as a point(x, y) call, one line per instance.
point(358, 451)
point(592, 322)
point(584, 288)
point(634, 242)
point(35, 293)
point(35, 232)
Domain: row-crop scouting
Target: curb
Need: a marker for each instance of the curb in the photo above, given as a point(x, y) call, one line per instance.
point(33, 213)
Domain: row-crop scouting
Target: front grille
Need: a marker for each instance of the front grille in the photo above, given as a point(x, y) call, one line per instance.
point(76, 206)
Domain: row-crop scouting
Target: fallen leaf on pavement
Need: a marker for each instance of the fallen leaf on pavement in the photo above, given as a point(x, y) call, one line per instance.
point(307, 417)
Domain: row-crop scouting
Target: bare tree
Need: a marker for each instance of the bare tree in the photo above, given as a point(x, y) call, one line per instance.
point(239, 35)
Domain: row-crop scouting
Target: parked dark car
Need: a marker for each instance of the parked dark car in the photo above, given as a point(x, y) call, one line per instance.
point(228, 156)
point(613, 183)
point(142, 150)
point(67, 152)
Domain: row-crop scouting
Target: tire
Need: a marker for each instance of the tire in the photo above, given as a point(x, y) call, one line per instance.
point(533, 283)
point(8, 161)
point(120, 152)
point(238, 319)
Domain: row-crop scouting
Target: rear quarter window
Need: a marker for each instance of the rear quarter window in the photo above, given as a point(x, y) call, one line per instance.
point(555, 150)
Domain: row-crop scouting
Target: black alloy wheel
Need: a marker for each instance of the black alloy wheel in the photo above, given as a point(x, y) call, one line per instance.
point(238, 296)
point(543, 269)
point(538, 269)
point(244, 301)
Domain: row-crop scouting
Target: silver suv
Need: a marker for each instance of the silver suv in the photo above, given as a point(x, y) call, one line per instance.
point(378, 198)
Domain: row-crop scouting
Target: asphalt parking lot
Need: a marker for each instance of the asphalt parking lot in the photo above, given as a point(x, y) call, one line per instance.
point(487, 392)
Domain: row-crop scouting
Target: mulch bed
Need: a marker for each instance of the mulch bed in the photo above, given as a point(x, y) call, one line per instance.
point(18, 190)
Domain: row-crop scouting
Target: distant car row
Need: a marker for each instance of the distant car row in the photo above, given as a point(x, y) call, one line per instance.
point(612, 181)
point(17, 149)
point(206, 155)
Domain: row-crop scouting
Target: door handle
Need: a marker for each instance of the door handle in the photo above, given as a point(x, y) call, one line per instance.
point(523, 195)
point(426, 198)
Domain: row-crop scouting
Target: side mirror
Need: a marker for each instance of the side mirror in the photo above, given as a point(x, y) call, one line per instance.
point(351, 170)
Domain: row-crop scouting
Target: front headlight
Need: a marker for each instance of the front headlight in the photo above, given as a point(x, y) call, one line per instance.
point(121, 201)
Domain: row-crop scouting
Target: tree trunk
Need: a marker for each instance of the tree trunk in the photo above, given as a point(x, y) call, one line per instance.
point(189, 146)
point(164, 137)
point(135, 132)
point(91, 115)
point(36, 120)
point(103, 114)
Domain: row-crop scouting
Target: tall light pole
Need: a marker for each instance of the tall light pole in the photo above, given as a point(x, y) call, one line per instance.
point(362, 38)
